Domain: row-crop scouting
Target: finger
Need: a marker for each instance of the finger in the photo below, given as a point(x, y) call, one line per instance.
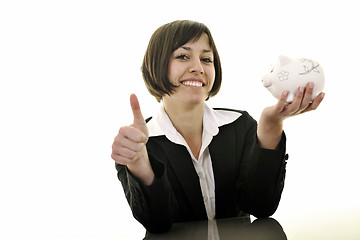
point(307, 97)
point(132, 133)
point(127, 143)
point(282, 102)
point(123, 151)
point(135, 106)
point(120, 159)
point(296, 103)
point(315, 104)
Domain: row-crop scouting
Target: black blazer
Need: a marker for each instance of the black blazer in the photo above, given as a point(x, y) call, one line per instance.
point(248, 178)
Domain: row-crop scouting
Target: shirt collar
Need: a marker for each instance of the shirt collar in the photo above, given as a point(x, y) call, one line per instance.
point(212, 120)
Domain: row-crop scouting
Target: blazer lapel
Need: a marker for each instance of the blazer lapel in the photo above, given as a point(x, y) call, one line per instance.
point(183, 168)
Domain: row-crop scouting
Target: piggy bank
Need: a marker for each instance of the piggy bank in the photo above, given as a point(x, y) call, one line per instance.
point(290, 74)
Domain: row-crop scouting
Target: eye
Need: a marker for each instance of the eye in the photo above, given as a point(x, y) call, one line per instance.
point(207, 60)
point(182, 57)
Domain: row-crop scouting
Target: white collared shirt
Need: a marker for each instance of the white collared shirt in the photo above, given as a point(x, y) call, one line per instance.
point(212, 120)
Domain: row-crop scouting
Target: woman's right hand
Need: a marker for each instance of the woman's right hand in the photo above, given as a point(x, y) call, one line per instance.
point(129, 147)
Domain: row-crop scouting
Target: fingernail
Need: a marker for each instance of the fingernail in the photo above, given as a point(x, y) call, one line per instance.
point(301, 89)
point(311, 85)
point(285, 93)
point(322, 95)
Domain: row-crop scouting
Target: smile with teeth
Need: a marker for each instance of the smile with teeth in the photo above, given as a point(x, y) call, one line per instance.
point(192, 83)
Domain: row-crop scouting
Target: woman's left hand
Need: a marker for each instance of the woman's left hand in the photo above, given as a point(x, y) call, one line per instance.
point(270, 124)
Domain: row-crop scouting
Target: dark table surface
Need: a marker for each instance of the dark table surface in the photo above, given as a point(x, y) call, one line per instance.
point(313, 228)
point(231, 228)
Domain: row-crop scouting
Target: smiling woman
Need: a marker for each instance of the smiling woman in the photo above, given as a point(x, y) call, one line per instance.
point(191, 162)
point(172, 41)
point(191, 70)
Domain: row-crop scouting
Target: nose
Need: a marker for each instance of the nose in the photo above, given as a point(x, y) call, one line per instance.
point(196, 67)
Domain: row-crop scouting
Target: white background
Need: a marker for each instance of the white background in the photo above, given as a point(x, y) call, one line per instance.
point(67, 69)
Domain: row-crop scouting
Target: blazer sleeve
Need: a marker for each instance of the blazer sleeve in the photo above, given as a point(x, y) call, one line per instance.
point(153, 206)
point(263, 173)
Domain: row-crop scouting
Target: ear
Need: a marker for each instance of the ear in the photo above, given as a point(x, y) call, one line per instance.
point(283, 60)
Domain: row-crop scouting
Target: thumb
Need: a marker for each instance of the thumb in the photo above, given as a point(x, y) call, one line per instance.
point(135, 106)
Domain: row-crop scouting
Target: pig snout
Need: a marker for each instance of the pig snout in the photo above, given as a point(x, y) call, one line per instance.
point(266, 82)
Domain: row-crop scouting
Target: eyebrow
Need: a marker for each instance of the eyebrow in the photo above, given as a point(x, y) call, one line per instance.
point(189, 49)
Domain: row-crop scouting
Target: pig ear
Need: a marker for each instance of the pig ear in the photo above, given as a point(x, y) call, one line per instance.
point(283, 60)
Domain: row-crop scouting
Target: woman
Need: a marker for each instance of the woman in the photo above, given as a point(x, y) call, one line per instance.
point(191, 162)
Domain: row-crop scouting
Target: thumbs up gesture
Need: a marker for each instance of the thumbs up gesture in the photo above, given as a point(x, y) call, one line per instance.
point(129, 147)
point(139, 122)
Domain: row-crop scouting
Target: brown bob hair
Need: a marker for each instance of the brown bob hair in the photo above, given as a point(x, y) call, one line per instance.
point(164, 41)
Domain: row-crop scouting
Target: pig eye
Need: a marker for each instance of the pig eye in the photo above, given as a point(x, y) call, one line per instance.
point(272, 68)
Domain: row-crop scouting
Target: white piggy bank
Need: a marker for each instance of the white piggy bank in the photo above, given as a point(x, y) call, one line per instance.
point(290, 74)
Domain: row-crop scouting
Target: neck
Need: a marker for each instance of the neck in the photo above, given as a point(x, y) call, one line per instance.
point(188, 121)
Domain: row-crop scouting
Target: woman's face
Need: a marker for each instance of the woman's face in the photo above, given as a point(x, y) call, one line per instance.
point(191, 68)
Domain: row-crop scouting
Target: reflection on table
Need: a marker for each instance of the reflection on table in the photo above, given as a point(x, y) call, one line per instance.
point(224, 229)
